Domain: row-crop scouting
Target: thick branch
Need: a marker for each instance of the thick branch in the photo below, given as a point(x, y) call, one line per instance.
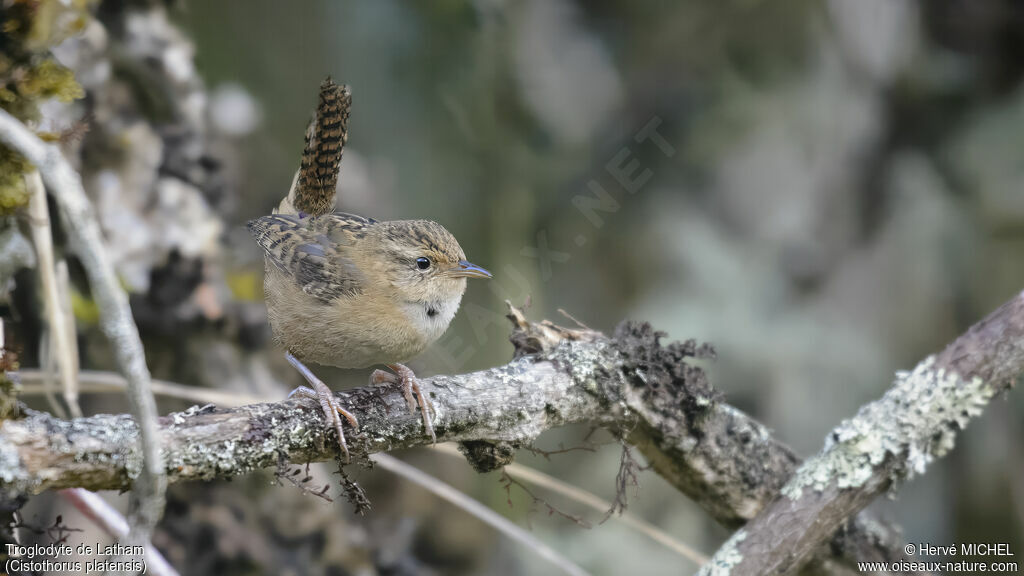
point(512, 403)
point(888, 441)
point(650, 393)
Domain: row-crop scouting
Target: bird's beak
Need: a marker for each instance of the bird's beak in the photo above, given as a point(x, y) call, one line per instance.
point(467, 270)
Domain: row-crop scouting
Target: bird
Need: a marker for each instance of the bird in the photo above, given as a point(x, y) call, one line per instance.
point(349, 291)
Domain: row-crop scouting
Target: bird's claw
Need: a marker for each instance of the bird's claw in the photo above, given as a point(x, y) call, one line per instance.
point(411, 389)
point(328, 403)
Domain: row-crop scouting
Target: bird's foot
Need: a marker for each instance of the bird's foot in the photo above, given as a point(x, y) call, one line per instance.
point(328, 403)
point(411, 388)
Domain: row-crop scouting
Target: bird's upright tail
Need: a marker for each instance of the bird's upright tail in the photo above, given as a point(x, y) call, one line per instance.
point(313, 188)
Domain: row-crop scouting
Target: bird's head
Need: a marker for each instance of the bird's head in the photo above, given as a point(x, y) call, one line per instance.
point(424, 262)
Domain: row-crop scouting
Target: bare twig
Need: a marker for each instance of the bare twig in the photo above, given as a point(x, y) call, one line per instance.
point(91, 381)
point(889, 441)
point(599, 504)
point(48, 369)
point(291, 475)
point(593, 502)
point(64, 294)
point(42, 238)
point(507, 482)
point(58, 532)
point(573, 319)
point(627, 477)
point(480, 511)
point(112, 522)
point(547, 454)
point(116, 321)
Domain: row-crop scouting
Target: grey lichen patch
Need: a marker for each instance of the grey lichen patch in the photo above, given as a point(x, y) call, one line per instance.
point(727, 557)
point(261, 437)
point(583, 361)
point(915, 422)
point(14, 479)
point(302, 435)
point(52, 451)
point(190, 461)
point(81, 438)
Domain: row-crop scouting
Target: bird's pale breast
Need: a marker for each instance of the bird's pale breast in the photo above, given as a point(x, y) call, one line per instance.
point(349, 332)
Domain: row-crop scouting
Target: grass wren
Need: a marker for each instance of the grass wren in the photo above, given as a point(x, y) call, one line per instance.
point(348, 291)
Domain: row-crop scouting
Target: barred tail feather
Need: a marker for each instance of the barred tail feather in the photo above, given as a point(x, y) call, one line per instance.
point(321, 157)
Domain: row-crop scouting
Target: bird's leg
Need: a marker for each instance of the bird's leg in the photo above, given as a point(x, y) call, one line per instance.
point(411, 388)
point(328, 403)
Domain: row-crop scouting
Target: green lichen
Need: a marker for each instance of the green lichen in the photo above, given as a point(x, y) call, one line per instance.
point(30, 75)
point(915, 422)
point(37, 25)
point(13, 192)
point(48, 79)
point(9, 387)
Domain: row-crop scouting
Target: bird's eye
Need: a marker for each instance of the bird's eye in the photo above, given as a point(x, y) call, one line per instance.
point(422, 263)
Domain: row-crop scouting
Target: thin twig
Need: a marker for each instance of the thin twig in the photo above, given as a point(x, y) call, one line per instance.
point(147, 498)
point(58, 532)
point(290, 475)
point(507, 482)
point(592, 501)
point(49, 368)
point(573, 319)
point(70, 328)
point(627, 477)
point(42, 239)
point(547, 454)
point(495, 520)
point(102, 514)
point(98, 381)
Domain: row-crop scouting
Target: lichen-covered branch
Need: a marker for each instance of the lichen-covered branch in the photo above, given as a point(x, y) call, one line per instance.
point(887, 442)
point(513, 403)
point(651, 394)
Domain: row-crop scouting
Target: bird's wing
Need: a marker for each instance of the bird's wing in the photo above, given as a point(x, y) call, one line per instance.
point(312, 251)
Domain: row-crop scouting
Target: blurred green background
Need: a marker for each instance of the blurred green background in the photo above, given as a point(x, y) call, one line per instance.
point(839, 193)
